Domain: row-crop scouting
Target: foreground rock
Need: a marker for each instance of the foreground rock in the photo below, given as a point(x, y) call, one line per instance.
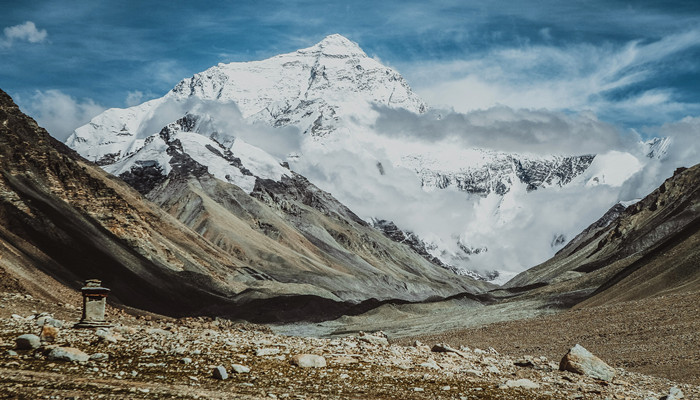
point(219, 373)
point(308, 361)
point(674, 394)
point(68, 354)
point(581, 361)
point(302, 368)
point(27, 342)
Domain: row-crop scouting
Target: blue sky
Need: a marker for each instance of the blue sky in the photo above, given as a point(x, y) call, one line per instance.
point(634, 64)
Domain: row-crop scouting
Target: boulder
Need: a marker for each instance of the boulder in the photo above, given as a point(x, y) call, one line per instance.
point(521, 383)
point(374, 339)
point(27, 342)
point(267, 351)
point(99, 357)
point(308, 361)
point(49, 333)
point(67, 354)
point(219, 372)
point(581, 361)
point(107, 336)
point(445, 348)
point(673, 394)
point(240, 369)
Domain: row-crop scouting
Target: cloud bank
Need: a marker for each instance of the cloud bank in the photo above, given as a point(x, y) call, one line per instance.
point(502, 128)
point(26, 32)
point(625, 82)
point(60, 113)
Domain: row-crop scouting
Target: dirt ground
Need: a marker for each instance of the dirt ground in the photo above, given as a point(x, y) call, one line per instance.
point(150, 357)
point(657, 336)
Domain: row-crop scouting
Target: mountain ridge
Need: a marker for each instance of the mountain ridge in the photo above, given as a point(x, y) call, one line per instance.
point(321, 103)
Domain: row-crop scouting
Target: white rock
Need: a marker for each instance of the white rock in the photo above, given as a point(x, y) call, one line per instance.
point(522, 383)
point(27, 342)
point(67, 354)
point(240, 369)
point(308, 361)
point(267, 351)
point(581, 361)
point(674, 394)
point(99, 357)
point(219, 372)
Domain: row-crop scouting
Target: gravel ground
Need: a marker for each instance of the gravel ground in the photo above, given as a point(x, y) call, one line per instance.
point(153, 357)
point(658, 336)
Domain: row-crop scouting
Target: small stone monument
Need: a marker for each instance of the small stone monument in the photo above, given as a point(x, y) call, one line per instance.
point(94, 302)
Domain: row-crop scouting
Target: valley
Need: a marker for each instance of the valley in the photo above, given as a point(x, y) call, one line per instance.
point(267, 214)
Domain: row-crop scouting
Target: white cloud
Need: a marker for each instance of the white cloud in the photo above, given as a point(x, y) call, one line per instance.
point(23, 32)
point(60, 113)
point(134, 98)
point(570, 77)
point(505, 129)
point(683, 151)
point(166, 72)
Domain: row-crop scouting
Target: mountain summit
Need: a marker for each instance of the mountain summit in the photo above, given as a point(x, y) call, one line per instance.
point(315, 111)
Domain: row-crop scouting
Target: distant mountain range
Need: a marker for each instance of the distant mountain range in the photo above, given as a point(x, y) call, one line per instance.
point(314, 111)
point(219, 204)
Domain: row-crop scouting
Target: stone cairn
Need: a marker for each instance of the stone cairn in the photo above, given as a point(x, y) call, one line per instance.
point(94, 303)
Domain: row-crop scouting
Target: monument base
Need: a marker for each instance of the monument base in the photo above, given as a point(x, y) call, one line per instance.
point(92, 324)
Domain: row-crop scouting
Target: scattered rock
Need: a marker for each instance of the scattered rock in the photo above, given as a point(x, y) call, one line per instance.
point(673, 394)
point(581, 361)
point(308, 361)
point(344, 360)
point(49, 320)
point(240, 369)
point(378, 339)
point(107, 336)
point(521, 383)
point(49, 333)
point(445, 348)
point(524, 363)
point(68, 354)
point(186, 360)
point(99, 357)
point(219, 372)
point(474, 372)
point(267, 351)
point(432, 364)
point(27, 341)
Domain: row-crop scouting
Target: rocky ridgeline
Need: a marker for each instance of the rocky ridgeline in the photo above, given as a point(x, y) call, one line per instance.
point(188, 358)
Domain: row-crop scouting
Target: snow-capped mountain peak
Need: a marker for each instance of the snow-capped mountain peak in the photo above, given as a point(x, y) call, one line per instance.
point(335, 45)
point(312, 88)
point(315, 89)
point(327, 95)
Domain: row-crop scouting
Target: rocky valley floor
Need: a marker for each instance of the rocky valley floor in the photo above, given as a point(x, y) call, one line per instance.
point(657, 336)
point(153, 357)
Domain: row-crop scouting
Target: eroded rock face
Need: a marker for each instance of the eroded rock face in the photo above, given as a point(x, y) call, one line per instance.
point(581, 361)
